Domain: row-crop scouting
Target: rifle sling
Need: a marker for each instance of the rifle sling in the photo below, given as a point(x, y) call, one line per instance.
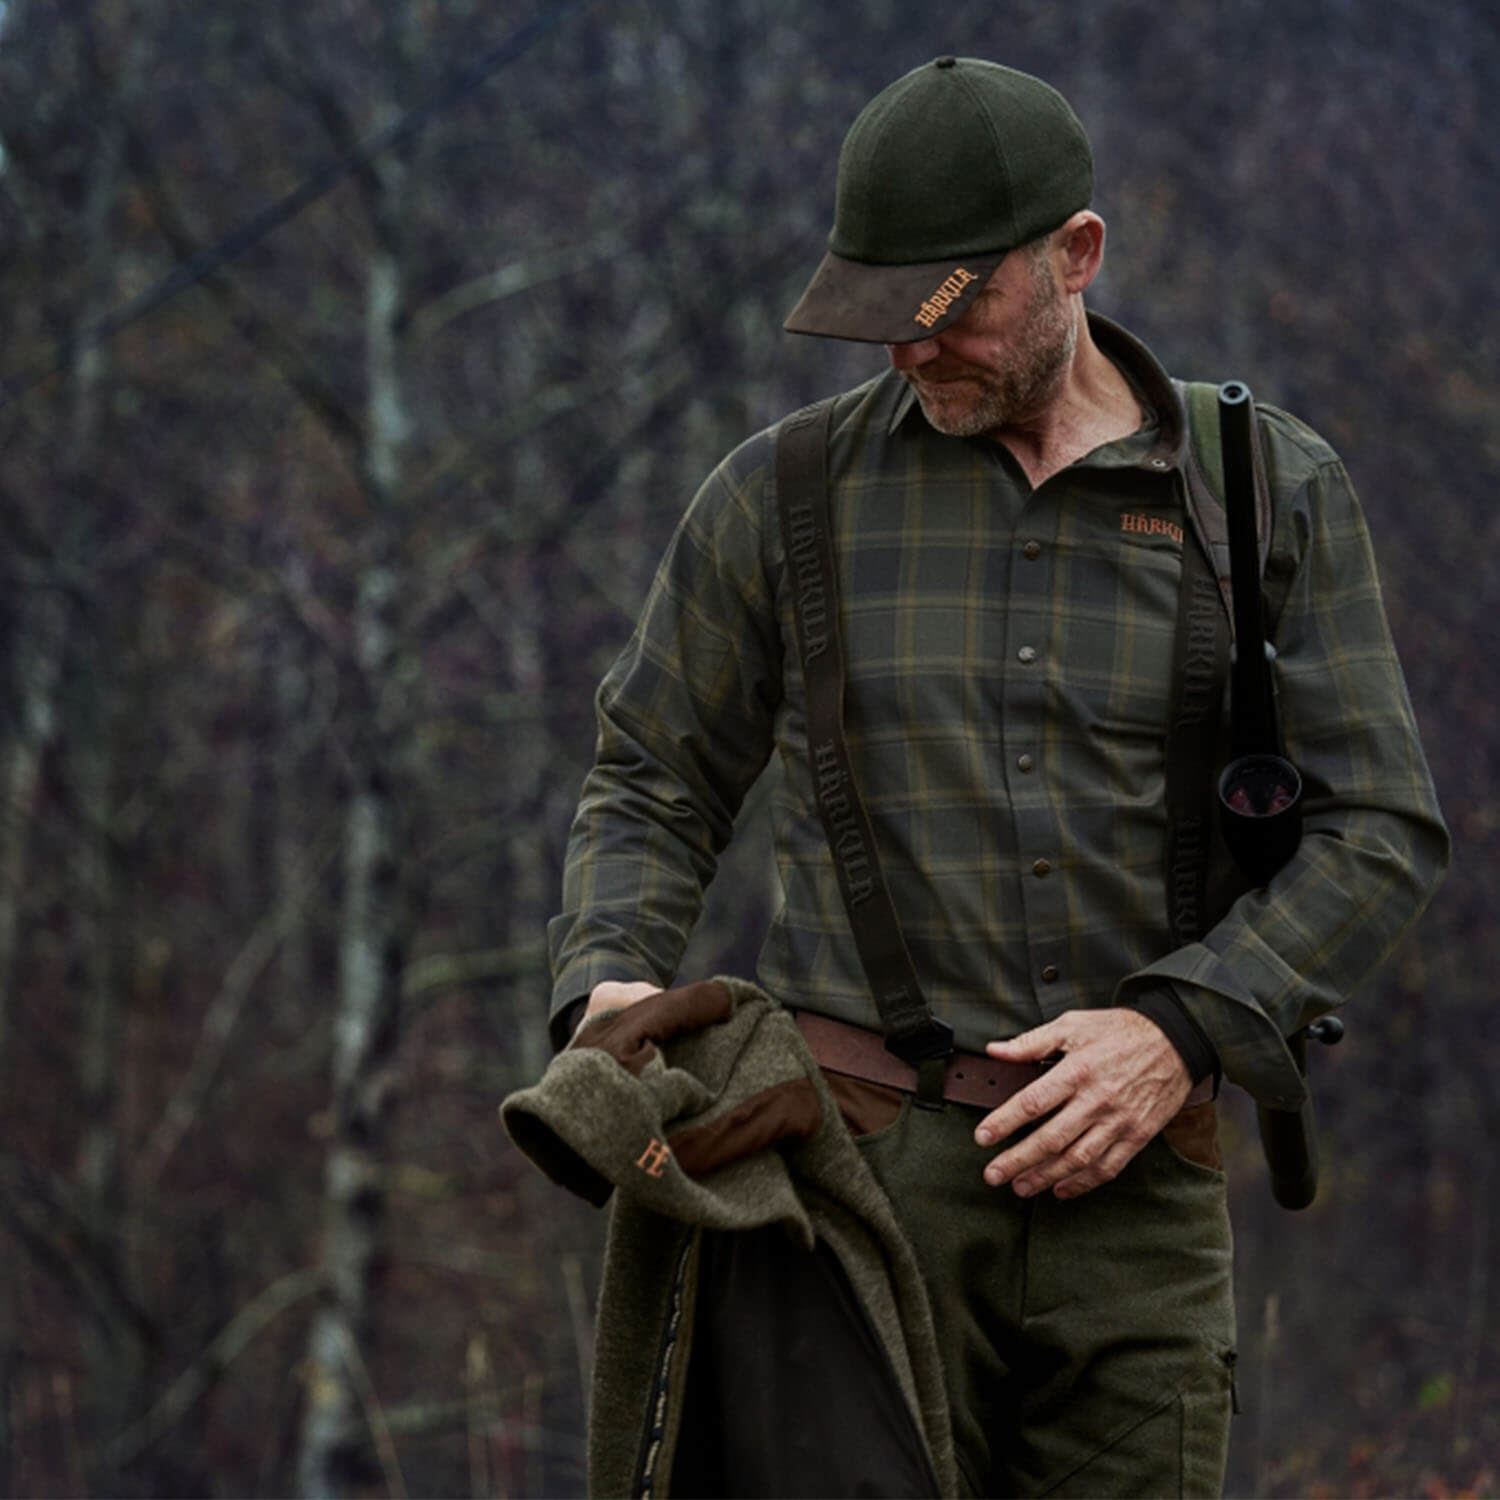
point(912, 1032)
point(1201, 670)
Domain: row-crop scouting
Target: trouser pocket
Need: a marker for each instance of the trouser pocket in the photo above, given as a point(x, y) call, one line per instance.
point(1193, 1133)
point(867, 1108)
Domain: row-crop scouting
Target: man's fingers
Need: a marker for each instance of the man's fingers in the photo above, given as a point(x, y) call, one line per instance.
point(1042, 1147)
point(1081, 1161)
point(1110, 1164)
point(1035, 1102)
point(1117, 1082)
point(1077, 1158)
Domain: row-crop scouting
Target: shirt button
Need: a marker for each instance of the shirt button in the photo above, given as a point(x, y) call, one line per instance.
point(1050, 974)
point(1026, 655)
point(1031, 551)
point(1042, 867)
point(1024, 763)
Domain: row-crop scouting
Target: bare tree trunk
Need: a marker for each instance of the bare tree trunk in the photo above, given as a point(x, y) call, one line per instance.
point(288, 691)
point(39, 648)
point(10, 1369)
point(94, 941)
point(116, 1357)
point(66, 690)
point(374, 937)
point(529, 893)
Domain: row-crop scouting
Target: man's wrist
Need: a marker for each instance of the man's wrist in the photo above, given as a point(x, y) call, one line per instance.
point(1161, 1004)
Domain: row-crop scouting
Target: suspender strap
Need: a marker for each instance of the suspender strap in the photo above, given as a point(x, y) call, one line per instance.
point(912, 1032)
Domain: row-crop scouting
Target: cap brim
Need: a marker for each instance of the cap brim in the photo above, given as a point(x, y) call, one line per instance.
point(852, 299)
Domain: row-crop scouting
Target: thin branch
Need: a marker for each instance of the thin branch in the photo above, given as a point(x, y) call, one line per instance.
point(224, 1013)
point(260, 332)
point(511, 280)
point(250, 232)
point(232, 1341)
point(431, 1418)
point(483, 1410)
point(468, 1260)
point(380, 1432)
point(303, 608)
point(442, 971)
point(25, 534)
point(557, 523)
point(283, 67)
point(42, 1211)
point(578, 1316)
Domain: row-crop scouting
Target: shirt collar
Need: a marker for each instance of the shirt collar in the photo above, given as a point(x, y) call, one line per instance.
point(1140, 367)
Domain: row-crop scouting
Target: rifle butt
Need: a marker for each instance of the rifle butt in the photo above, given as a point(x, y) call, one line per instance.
point(1289, 1139)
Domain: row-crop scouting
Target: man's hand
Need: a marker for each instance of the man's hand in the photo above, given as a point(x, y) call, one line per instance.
point(1116, 1081)
point(613, 994)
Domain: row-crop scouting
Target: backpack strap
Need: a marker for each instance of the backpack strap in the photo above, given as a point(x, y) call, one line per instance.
point(912, 1032)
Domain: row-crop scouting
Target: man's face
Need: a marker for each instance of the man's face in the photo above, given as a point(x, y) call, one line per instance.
point(1002, 360)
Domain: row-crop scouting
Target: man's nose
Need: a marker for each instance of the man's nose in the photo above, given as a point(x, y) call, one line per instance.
point(909, 356)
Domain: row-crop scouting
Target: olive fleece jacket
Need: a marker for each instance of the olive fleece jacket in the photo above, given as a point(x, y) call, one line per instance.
point(701, 1108)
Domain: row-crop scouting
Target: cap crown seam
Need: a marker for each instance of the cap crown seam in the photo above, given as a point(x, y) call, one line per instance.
point(999, 149)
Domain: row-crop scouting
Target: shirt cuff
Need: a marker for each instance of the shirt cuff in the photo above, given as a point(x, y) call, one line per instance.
point(1161, 1004)
point(1250, 1047)
point(565, 1021)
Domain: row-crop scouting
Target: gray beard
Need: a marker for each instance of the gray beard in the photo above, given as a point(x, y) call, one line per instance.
point(993, 399)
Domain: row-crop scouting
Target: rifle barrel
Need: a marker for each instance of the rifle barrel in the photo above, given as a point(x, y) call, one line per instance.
point(1255, 729)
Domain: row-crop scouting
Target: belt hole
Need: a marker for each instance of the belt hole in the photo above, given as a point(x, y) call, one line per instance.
point(957, 1074)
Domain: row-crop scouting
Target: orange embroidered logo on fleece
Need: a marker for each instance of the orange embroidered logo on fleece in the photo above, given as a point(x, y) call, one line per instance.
point(653, 1160)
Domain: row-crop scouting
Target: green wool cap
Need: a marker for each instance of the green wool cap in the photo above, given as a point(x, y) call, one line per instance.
point(942, 174)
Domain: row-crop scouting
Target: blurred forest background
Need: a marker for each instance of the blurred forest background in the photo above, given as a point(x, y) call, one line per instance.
point(312, 559)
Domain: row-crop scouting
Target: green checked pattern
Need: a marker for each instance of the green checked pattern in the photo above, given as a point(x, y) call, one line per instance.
point(1010, 664)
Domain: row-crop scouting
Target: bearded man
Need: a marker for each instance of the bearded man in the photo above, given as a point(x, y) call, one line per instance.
point(1008, 525)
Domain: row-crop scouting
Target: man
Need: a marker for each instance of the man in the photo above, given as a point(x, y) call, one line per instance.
point(1008, 525)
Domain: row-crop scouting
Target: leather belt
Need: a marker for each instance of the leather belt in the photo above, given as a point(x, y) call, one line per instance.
point(970, 1078)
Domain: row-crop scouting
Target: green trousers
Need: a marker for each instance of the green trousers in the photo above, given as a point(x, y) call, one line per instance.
point(1088, 1343)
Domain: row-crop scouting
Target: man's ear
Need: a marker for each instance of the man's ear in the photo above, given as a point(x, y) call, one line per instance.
point(1079, 250)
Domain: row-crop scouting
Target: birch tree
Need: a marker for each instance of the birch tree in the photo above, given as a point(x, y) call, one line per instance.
point(72, 673)
point(375, 937)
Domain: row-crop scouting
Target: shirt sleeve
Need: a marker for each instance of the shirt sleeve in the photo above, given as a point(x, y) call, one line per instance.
point(685, 724)
point(1374, 847)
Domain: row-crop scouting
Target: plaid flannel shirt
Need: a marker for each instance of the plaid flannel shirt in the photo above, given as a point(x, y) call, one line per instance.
point(1010, 656)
